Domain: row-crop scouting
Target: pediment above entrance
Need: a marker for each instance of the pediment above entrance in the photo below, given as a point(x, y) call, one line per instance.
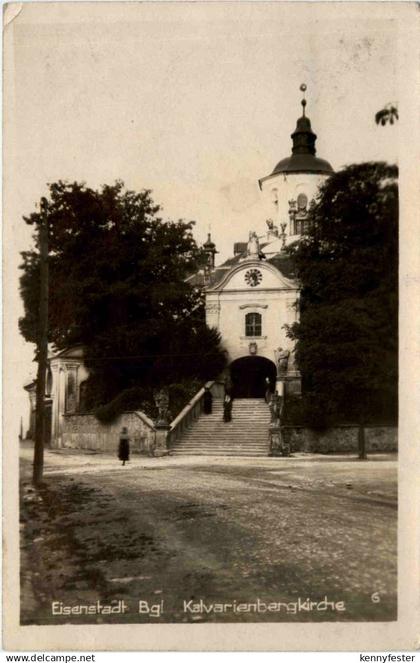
point(255, 275)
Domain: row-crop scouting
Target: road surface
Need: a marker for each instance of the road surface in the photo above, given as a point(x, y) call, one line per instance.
point(310, 538)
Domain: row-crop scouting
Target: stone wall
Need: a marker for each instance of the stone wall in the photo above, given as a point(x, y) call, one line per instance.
point(84, 431)
point(342, 438)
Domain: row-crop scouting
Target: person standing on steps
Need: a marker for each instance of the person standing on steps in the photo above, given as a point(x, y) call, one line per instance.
point(228, 386)
point(207, 401)
point(124, 446)
point(268, 390)
point(227, 408)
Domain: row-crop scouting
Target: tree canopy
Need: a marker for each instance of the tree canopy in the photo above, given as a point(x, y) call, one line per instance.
point(118, 287)
point(387, 114)
point(347, 335)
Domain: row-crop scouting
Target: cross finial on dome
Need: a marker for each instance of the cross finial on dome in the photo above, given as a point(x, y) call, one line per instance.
point(303, 102)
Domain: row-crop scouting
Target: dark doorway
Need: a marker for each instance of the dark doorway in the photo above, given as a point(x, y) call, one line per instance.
point(248, 376)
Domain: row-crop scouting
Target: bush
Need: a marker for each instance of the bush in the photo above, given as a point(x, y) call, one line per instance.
point(180, 393)
point(306, 410)
point(136, 398)
point(141, 398)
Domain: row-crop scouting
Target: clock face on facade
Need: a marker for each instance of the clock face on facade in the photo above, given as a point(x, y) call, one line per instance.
point(253, 277)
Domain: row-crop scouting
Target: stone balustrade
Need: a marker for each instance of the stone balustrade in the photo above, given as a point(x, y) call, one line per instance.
point(192, 411)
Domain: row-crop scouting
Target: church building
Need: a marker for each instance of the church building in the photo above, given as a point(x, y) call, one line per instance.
point(253, 296)
point(250, 299)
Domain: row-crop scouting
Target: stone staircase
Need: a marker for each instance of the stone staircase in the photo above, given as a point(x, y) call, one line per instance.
point(245, 435)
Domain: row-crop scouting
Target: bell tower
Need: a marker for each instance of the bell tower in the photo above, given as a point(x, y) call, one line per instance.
point(210, 250)
point(294, 182)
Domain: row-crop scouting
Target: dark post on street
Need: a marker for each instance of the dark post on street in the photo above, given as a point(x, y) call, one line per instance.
point(42, 347)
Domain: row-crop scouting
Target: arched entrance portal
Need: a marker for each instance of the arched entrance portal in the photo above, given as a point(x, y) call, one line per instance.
point(248, 376)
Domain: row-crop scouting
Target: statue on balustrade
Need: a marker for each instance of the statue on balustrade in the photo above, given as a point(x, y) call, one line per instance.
point(276, 408)
point(282, 359)
point(162, 403)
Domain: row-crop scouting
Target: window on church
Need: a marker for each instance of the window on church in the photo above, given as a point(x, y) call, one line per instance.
point(82, 396)
point(301, 226)
point(48, 383)
point(302, 202)
point(71, 393)
point(253, 325)
point(301, 223)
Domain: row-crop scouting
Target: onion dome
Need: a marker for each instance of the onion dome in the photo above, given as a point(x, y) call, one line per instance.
point(209, 245)
point(303, 159)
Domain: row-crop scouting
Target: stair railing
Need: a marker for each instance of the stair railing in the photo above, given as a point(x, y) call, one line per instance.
point(192, 411)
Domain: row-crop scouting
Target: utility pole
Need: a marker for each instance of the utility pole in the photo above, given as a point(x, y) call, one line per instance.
point(42, 347)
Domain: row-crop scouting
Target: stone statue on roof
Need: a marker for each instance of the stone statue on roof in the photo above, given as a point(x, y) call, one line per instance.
point(253, 246)
point(273, 230)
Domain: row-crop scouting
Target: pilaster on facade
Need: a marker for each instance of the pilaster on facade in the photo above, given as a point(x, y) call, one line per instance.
point(213, 311)
point(72, 387)
point(67, 374)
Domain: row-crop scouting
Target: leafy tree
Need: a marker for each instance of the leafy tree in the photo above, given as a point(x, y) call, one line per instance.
point(388, 113)
point(117, 286)
point(346, 338)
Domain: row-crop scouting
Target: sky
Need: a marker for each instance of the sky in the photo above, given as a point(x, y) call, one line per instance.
point(194, 101)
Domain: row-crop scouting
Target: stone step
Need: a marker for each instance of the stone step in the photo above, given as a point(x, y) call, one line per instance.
point(221, 425)
point(256, 408)
point(256, 405)
point(243, 405)
point(238, 433)
point(225, 452)
point(245, 435)
point(242, 454)
point(245, 411)
point(222, 450)
point(237, 416)
point(245, 408)
point(218, 445)
point(226, 426)
point(234, 423)
point(232, 445)
point(260, 405)
point(224, 443)
point(221, 445)
point(209, 438)
point(243, 416)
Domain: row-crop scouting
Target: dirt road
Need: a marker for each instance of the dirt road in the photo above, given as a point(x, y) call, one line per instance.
point(312, 537)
